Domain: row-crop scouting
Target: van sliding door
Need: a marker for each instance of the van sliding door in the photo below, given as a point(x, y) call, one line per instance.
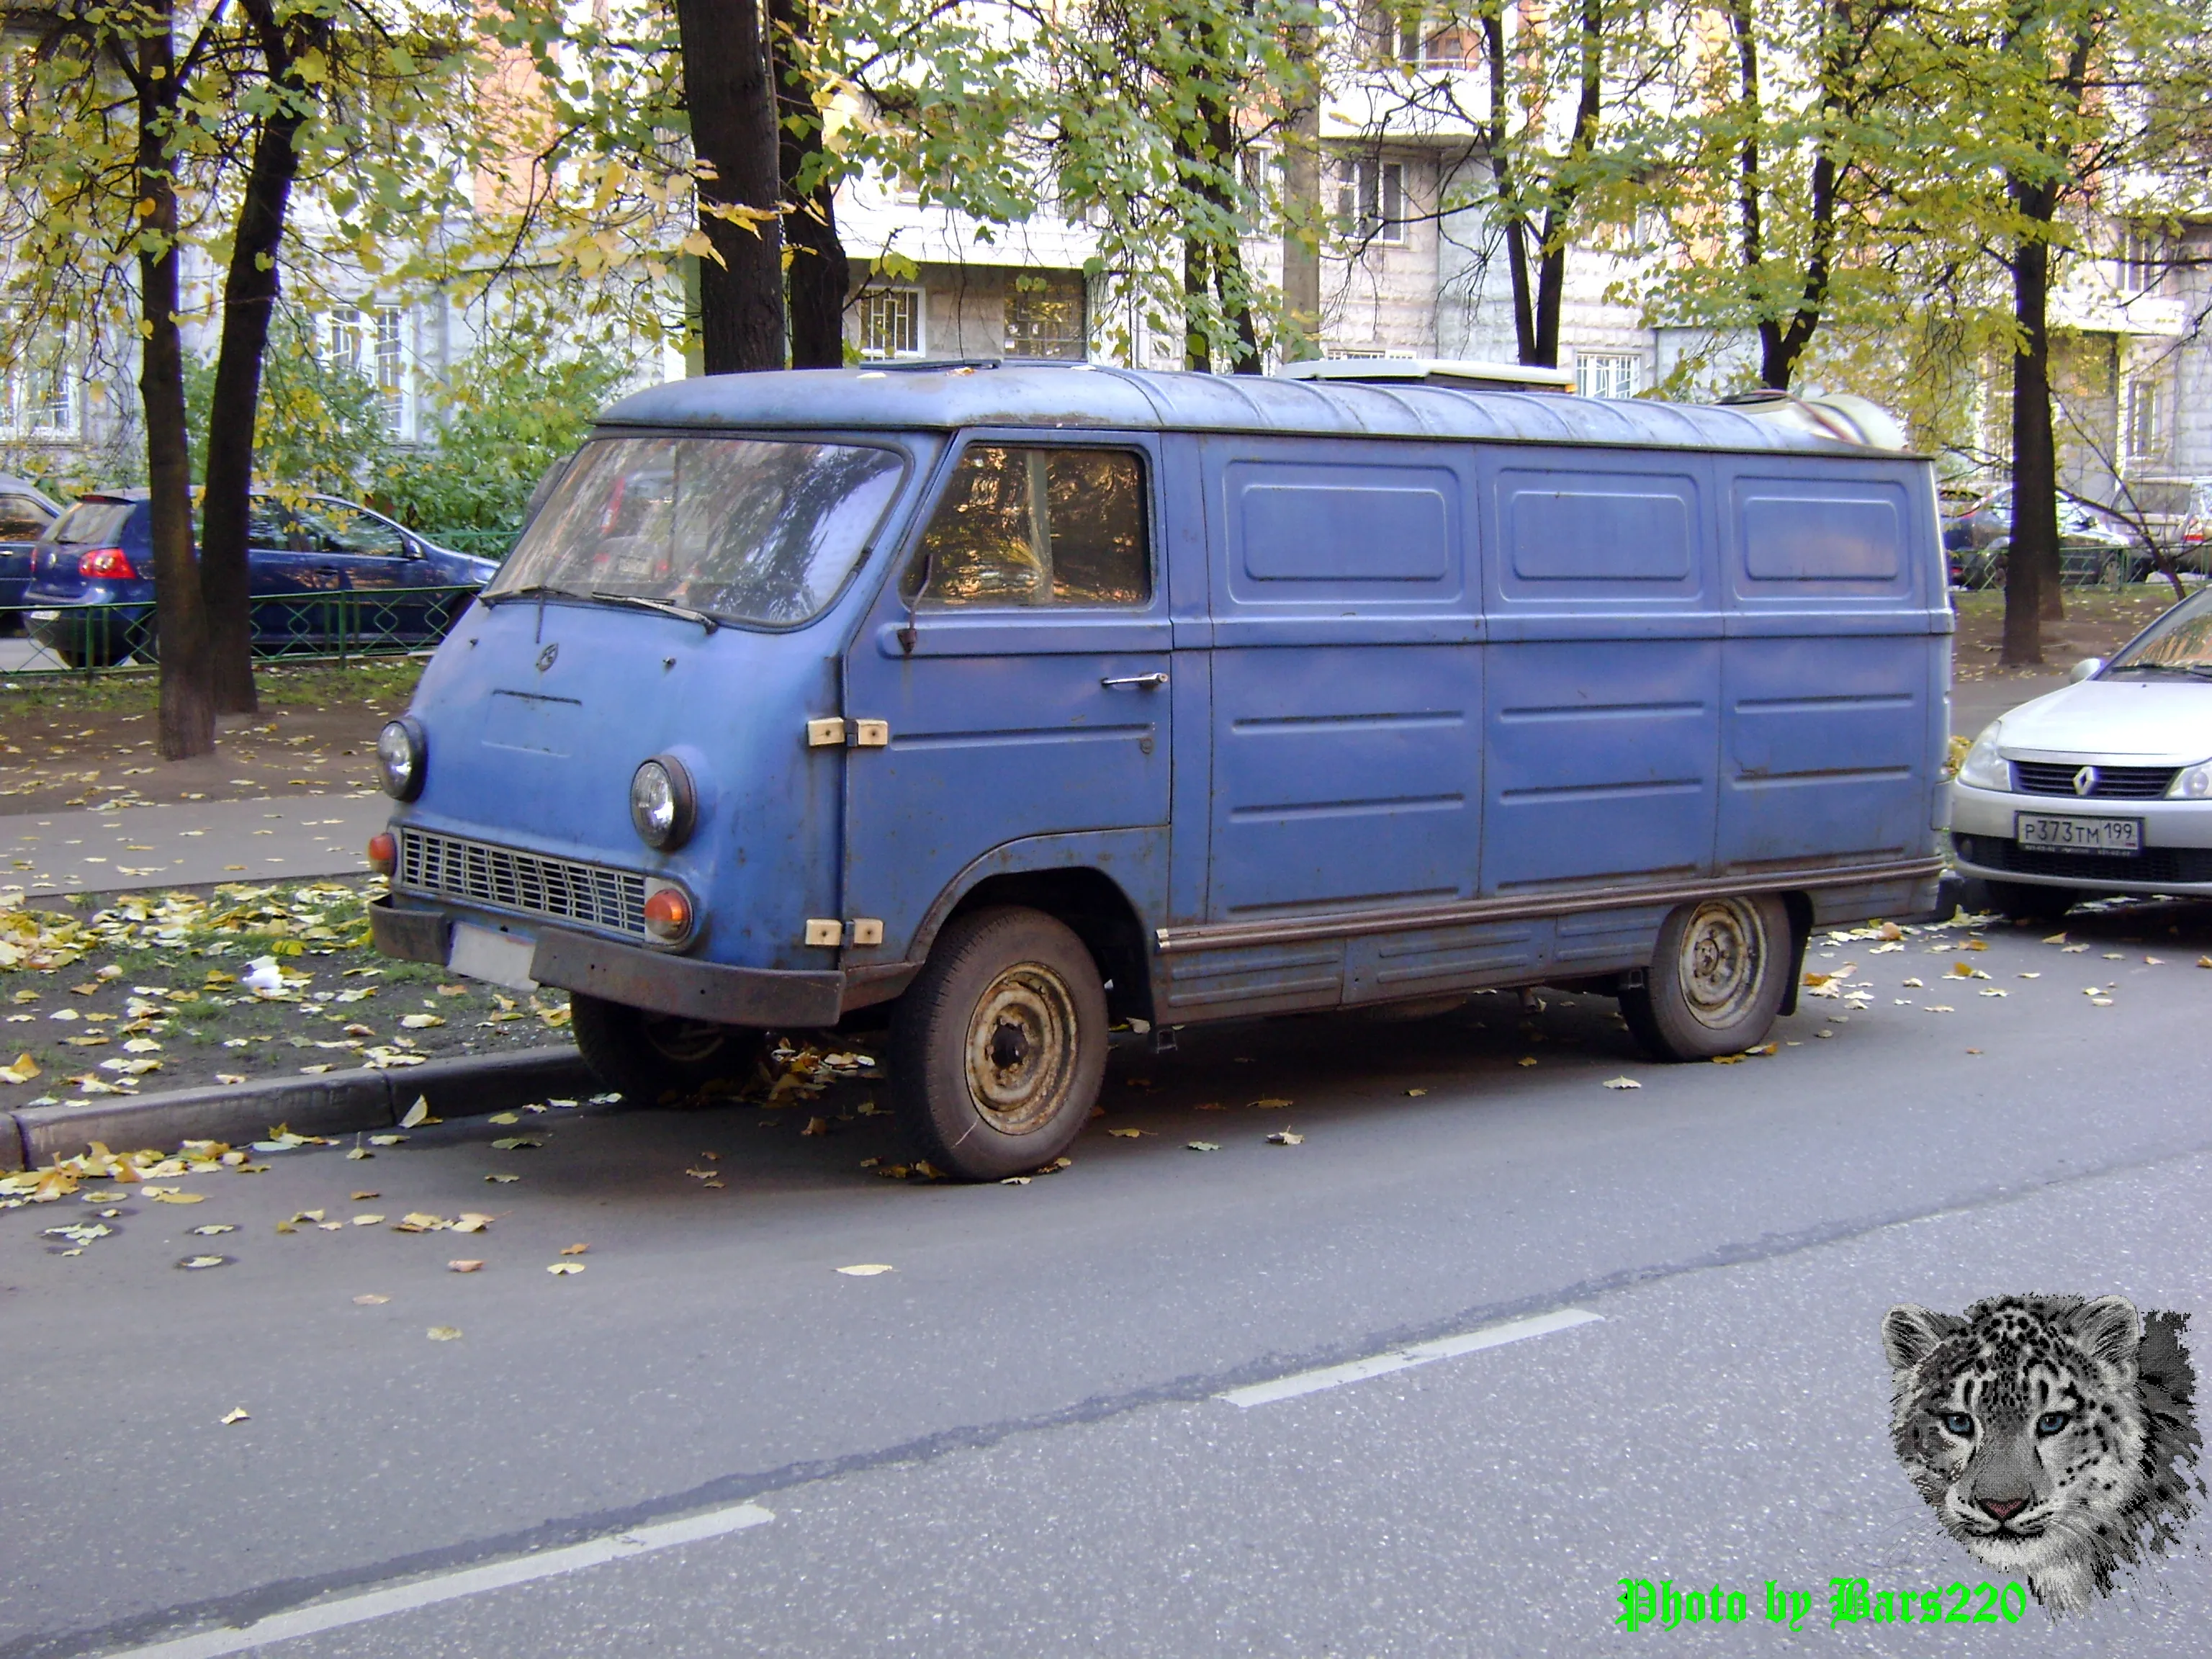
point(1346, 696)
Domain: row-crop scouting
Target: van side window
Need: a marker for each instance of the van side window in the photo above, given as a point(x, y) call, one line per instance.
point(1021, 525)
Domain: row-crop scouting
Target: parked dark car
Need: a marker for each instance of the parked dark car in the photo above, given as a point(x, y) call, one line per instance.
point(27, 512)
point(2094, 546)
point(92, 584)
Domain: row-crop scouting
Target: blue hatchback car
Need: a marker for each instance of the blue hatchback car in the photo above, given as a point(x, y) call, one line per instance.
point(1015, 705)
point(27, 512)
point(91, 591)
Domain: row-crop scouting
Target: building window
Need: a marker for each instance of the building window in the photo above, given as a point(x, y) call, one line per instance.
point(1370, 201)
point(2144, 409)
point(392, 369)
point(1044, 315)
point(370, 341)
point(38, 399)
point(1607, 376)
point(2146, 255)
point(890, 323)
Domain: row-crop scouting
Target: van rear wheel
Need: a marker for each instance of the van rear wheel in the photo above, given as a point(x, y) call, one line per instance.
point(648, 1057)
point(1715, 981)
point(998, 1048)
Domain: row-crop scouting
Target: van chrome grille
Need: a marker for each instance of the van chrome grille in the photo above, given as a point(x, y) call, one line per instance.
point(504, 879)
point(2112, 782)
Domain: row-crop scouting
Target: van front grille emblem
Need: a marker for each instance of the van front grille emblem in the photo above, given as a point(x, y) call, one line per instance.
point(2085, 781)
point(545, 658)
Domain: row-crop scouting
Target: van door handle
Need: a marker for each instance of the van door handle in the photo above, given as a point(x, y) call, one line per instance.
point(1145, 682)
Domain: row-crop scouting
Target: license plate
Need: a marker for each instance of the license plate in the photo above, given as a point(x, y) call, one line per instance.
point(488, 954)
point(2078, 835)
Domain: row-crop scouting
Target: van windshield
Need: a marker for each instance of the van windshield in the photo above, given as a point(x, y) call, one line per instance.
point(743, 530)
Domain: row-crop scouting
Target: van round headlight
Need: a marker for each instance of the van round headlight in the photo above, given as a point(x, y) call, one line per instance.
point(401, 752)
point(2195, 784)
point(663, 803)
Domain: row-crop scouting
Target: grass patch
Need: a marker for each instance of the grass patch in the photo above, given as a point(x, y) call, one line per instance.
point(385, 681)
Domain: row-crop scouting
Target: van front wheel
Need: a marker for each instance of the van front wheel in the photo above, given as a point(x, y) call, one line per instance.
point(999, 1047)
point(650, 1056)
point(1715, 980)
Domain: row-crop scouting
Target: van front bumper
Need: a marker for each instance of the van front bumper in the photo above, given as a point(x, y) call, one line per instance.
point(2177, 844)
point(765, 997)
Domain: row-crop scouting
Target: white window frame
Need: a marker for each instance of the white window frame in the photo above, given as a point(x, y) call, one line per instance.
point(2143, 417)
point(1607, 375)
point(1370, 201)
point(45, 404)
point(871, 311)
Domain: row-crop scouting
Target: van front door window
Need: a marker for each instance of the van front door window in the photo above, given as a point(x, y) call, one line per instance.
point(1021, 526)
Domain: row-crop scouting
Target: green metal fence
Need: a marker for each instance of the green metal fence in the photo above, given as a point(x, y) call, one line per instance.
point(335, 627)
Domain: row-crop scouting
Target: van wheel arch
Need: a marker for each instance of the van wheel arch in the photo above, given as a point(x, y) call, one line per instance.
point(1092, 905)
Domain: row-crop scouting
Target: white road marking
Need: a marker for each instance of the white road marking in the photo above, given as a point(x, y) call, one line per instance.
point(1400, 1359)
point(449, 1587)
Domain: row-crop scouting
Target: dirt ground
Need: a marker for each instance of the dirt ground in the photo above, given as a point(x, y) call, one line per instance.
point(2099, 621)
point(67, 743)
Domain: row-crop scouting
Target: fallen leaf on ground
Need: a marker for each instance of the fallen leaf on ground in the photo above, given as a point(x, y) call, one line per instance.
point(1128, 1134)
point(463, 1267)
point(515, 1144)
point(1271, 1101)
point(1415, 1094)
point(573, 1249)
point(370, 1301)
point(504, 1117)
point(1526, 1060)
point(417, 1221)
point(385, 1140)
point(362, 1198)
point(445, 1332)
point(2204, 962)
point(2030, 976)
point(212, 1229)
point(366, 1220)
point(2056, 939)
point(867, 1269)
point(2153, 962)
point(1941, 1008)
point(470, 1221)
point(816, 1126)
point(566, 1267)
point(235, 1414)
point(175, 1197)
point(358, 1153)
point(2073, 950)
point(1622, 1083)
point(421, 1022)
point(194, 1263)
point(502, 1179)
point(1203, 1146)
point(1284, 1138)
point(22, 1071)
point(418, 1113)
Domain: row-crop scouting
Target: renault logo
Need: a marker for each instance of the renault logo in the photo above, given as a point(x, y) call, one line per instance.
point(2085, 781)
point(545, 661)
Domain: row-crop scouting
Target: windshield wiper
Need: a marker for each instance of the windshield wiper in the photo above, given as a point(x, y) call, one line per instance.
point(2198, 670)
point(638, 601)
point(535, 591)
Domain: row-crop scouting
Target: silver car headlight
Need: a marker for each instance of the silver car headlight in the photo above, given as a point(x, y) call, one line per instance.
point(1983, 766)
point(2193, 783)
point(401, 750)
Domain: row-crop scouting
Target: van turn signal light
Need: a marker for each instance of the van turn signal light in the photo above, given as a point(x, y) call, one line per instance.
point(383, 852)
point(668, 913)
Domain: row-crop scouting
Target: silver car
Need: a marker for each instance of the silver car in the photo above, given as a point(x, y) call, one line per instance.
point(2102, 787)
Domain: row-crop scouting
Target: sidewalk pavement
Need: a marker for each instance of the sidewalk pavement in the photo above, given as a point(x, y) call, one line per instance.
point(191, 844)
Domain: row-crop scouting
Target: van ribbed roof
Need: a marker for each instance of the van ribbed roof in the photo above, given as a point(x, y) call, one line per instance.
point(1092, 395)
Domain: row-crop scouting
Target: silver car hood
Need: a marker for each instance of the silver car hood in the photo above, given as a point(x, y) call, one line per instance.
point(2161, 721)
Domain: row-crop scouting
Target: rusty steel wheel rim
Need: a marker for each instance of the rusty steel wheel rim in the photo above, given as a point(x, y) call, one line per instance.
point(1721, 962)
point(683, 1041)
point(1021, 1048)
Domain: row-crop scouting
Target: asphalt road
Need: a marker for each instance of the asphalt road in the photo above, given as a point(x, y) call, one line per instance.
point(1011, 1443)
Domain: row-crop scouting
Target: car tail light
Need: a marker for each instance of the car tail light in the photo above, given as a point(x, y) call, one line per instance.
point(383, 852)
point(105, 564)
point(668, 914)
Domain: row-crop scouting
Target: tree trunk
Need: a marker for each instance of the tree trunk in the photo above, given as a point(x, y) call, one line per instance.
point(731, 106)
point(1230, 283)
point(249, 297)
point(820, 276)
point(2032, 561)
point(188, 702)
point(1302, 208)
point(1505, 187)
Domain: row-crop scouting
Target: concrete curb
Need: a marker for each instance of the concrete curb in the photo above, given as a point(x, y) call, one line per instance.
point(31, 1136)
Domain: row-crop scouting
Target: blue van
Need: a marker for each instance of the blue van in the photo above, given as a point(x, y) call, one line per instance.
point(1011, 703)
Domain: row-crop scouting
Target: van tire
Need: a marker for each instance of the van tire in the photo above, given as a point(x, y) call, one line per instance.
point(649, 1057)
point(1010, 1006)
point(2025, 902)
point(1716, 979)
